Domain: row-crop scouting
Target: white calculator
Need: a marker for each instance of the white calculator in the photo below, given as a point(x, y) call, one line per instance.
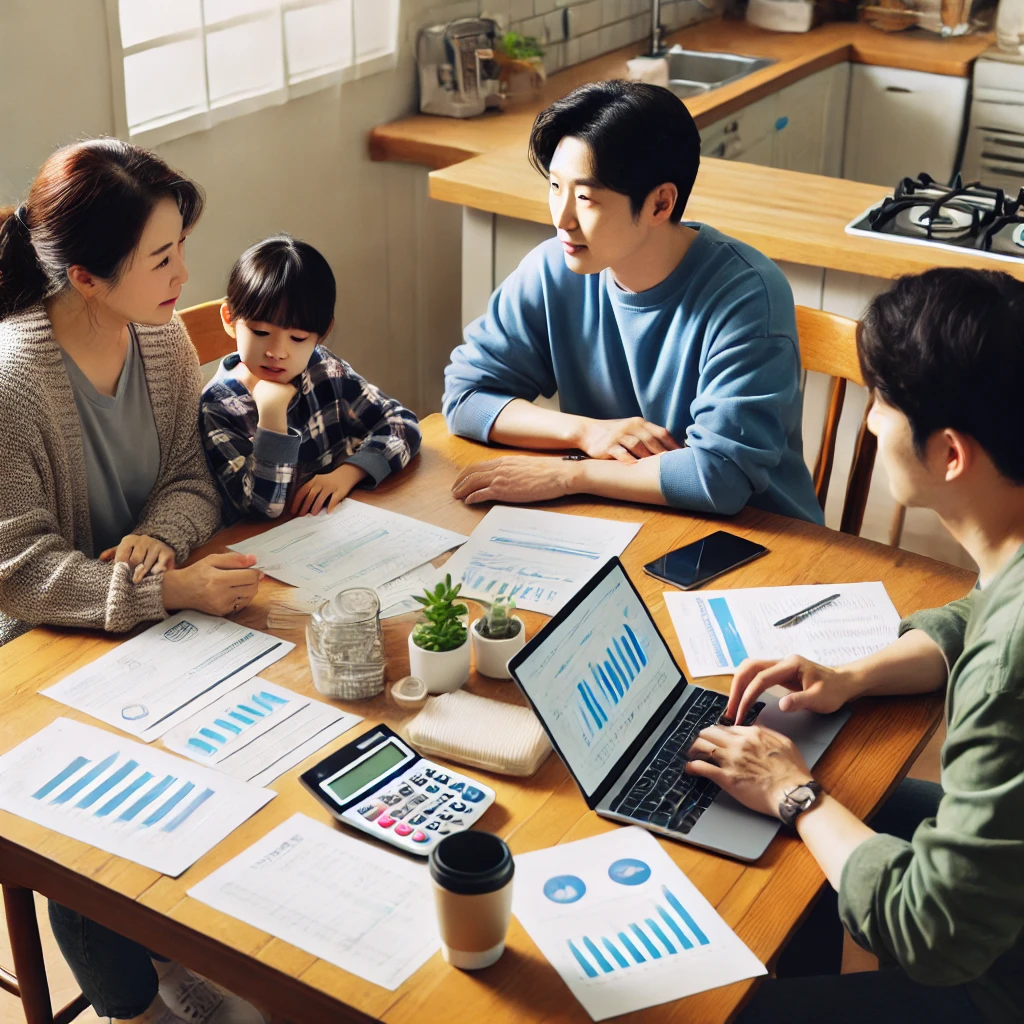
point(380, 785)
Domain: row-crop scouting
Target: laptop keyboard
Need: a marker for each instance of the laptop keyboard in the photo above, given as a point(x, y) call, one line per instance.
point(660, 792)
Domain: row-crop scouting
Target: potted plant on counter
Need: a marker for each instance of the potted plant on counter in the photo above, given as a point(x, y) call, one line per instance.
point(439, 647)
point(520, 67)
point(497, 636)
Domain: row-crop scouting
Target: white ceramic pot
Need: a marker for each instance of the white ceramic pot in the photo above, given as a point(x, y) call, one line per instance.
point(491, 657)
point(442, 671)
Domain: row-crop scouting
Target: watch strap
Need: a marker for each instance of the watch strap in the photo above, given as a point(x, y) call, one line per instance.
point(790, 808)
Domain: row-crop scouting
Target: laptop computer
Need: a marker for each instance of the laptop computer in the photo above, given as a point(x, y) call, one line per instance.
point(621, 715)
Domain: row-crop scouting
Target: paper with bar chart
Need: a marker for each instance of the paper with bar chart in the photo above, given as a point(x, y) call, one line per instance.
point(126, 798)
point(538, 558)
point(356, 545)
point(350, 903)
point(148, 684)
point(258, 731)
point(598, 677)
point(623, 926)
point(719, 628)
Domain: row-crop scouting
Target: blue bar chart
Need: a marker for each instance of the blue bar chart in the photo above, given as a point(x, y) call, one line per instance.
point(114, 793)
point(611, 679)
point(225, 723)
point(668, 930)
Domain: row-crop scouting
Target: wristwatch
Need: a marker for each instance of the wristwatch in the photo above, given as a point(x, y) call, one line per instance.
point(799, 799)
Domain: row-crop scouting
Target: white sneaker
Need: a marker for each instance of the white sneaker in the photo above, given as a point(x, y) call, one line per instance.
point(158, 1012)
point(198, 1001)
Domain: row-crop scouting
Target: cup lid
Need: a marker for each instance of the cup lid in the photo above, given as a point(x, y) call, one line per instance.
point(472, 863)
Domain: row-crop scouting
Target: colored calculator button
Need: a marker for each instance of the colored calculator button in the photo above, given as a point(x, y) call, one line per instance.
point(473, 795)
point(433, 789)
point(420, 837)
point(401, 829)
point(371, 811)
point(385, 821)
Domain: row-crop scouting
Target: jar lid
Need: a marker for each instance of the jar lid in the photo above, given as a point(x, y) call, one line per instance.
point(409, 692)
point(357, 604)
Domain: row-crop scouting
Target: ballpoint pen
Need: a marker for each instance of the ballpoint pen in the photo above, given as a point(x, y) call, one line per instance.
point(790, 620)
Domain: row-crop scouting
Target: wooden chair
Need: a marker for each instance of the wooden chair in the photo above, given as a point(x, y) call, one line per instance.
point(208, 336)
point(828, 345)
point(30, 985)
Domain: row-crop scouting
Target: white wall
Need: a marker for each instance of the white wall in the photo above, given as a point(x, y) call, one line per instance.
point(301, 167)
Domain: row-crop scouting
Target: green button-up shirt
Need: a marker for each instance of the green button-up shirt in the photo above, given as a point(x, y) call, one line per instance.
point(948, 907)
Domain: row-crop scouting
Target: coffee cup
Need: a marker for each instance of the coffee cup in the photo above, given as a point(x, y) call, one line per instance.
point(472, 875)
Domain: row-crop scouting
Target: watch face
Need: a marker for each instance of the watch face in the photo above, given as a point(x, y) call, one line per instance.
point(802, 795)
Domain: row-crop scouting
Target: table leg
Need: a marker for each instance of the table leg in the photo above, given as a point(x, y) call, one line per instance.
point(20, 907)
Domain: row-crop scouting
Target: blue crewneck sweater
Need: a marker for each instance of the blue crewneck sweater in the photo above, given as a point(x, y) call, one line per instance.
point(710, 354)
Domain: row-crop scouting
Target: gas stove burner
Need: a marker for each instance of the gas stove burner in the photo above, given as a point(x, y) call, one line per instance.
point(945, 221)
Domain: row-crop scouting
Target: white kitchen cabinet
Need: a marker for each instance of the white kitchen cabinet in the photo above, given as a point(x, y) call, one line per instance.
point(901, 123)
point(810, 122)
point(799, 128)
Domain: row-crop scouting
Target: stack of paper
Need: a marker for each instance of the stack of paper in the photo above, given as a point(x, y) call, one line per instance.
point(128, 799)
point(355, 905)
point(258, 731)
point(719, 628)
point(539, 559)
point(357, 545)
point(623, 926)
point(164, 675)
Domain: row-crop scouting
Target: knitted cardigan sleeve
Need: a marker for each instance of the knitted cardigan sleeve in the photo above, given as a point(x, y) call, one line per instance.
point(43, 578)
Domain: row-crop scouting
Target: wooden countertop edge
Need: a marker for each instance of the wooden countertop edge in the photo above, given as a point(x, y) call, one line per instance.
point(406, 141)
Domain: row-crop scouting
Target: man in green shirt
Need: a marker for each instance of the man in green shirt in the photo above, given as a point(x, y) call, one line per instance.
point(937, 892)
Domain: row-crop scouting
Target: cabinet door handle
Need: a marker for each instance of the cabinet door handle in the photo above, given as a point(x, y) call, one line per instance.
point(897, 88)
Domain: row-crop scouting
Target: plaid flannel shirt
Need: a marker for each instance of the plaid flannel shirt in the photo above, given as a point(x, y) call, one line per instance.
point(335, 417)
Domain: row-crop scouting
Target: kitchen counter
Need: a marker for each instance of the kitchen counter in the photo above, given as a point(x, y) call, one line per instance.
point(439, 141)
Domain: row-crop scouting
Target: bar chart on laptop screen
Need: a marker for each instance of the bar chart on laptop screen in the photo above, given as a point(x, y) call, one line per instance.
point(112, 792)
point(599, 677)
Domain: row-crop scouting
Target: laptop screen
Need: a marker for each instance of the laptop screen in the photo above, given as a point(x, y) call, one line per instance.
point(598, 674)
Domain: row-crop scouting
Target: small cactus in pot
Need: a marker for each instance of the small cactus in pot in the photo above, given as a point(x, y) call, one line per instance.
point(498, 622)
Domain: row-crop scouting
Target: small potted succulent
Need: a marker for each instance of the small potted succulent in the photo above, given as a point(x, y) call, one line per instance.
point(439, 647)
point(497, 636)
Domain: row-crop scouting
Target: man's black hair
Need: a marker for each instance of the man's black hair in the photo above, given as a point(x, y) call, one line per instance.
point(640, 135)
point(284, 282)
point(946, 348)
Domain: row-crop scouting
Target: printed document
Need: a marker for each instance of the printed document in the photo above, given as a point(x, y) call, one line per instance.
point(126, 798)
point(623, 926)
point(162, 676)
point(258, 731)
point(354, 904)
point(719, 628)
point(539, 559)
point(356, 545)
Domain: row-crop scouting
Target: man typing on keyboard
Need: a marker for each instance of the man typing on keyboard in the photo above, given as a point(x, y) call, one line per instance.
point(935, 885)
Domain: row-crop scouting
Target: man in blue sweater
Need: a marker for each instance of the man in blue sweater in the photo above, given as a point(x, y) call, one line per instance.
point(672, 347)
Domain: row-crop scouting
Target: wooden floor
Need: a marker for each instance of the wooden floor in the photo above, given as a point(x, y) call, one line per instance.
point(63, 989)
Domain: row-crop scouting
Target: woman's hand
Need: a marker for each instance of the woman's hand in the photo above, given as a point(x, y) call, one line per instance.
point(755, 766)
point(216, 584)
point(818, 688)
point(143, 554)
point(515, 478)
point(326, 490)
point(626, 440)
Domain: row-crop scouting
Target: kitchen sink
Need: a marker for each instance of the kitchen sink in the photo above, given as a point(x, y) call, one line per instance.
point(692, 72)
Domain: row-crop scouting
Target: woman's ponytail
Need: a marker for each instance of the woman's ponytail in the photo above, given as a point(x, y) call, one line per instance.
point(87, 207)
point(22, 280)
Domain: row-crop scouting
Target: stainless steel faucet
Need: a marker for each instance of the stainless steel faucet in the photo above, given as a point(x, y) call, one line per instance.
point(657, 30)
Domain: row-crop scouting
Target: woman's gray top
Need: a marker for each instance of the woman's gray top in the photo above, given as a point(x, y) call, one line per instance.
point(120, 446)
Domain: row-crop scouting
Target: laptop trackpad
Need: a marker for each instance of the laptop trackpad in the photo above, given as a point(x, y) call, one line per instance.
point(811, 733)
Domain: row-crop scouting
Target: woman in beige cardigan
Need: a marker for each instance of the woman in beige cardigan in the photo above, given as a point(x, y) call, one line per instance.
point(105, 488)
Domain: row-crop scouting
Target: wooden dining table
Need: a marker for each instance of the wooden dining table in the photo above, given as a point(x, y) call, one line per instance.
point(764, 902)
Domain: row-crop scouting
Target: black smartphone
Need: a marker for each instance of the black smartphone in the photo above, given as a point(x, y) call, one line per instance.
point(703, 560)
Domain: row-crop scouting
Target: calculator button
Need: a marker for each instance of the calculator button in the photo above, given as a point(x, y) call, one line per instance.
point(385, 821)
point(458, 787)
point(419, 798)
point(420, 837)
point(418, 780)
point(433, 826)
point(418, 820)
point(391, 799)
point(445, 797)
point(402, 829)
point(441, 780)
point(473, 795)
point(433, 789)
point(405, 789)
point(400, 812)
point(371, 811)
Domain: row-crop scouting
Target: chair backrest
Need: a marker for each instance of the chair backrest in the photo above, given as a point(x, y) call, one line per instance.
point(828, 344)
point(206, 331)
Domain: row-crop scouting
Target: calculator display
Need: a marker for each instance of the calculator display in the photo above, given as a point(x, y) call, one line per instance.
point(359, 775)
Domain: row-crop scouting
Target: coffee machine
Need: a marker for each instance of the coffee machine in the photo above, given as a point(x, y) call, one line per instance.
point(457, 68)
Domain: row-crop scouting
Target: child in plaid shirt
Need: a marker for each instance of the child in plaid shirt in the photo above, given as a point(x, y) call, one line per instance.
point(283, 411)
